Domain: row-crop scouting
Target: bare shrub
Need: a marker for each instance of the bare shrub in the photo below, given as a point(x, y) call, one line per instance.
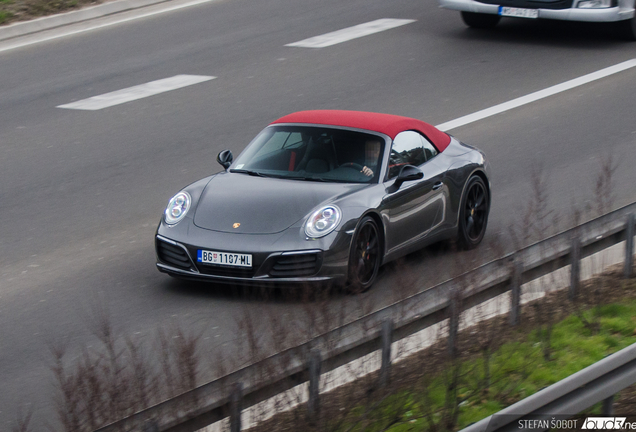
point(487, 336)
point(23, 420)
point(604, 194)
point(537, 218)
point(179, 362)
point(103, 385)
point(602, 203)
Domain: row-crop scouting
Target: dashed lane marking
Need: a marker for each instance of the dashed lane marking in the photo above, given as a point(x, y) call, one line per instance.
point(349, 33)
point(136, 92)
point(541, 94)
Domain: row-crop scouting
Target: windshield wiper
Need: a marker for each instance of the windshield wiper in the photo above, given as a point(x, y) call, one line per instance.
point(250, 172)
point(260, 174)
point(316, 179)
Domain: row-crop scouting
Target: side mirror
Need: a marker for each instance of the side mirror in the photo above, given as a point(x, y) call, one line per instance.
point(407, 173)
point(225, 158)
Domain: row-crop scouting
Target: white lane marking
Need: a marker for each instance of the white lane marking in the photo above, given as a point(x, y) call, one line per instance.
point(136, 92)
point(349, 33)
point(8, 45)
point(532, 97)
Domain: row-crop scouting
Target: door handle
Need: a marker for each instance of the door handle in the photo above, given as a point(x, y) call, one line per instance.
point(438, 185)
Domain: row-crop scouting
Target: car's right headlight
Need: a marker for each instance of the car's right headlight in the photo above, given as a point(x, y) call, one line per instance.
point(177, 208)
point(322, 221)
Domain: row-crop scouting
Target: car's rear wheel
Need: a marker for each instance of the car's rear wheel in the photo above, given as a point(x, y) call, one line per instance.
point(627, 29)
point(365, 256)
point(480, 20)
point(473, 215)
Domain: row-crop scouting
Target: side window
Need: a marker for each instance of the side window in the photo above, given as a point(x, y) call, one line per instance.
point(407, 149)
point(429, 151)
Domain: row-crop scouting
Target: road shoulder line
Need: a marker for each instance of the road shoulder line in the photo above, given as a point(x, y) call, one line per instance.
point(103, 21)
point(541, 94)
point(23, 28)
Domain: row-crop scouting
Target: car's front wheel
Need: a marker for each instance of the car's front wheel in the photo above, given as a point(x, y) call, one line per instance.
point(365, 256)
point(627, 29)
point(480, 20)
point(473, 215)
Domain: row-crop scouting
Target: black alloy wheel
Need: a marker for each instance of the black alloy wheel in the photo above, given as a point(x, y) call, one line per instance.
point(365, 256)
point(480, 20)
point(473, 216)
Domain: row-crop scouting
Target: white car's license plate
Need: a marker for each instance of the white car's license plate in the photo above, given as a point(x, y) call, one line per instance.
point(518, 12)
point(224, 258)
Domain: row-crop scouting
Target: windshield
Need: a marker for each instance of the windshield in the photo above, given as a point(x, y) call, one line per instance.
point(313, 153)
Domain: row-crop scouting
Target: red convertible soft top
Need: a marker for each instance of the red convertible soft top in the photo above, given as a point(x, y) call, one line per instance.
point(387, 124)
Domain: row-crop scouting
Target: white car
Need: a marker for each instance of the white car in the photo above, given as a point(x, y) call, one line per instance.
point(487, 13)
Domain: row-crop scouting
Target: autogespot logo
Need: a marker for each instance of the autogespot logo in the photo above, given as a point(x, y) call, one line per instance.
point(607, 423)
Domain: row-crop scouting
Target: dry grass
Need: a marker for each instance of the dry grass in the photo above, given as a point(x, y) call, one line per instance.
point(23, 10)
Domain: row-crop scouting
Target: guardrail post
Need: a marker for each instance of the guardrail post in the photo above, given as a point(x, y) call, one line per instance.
point(629, 247)
point(453, 321)
point(575, 267)
point(387, 340)
point(313, 404)
point(608, 406)
point(236, 407)
point(515, 295)
point(150, 426)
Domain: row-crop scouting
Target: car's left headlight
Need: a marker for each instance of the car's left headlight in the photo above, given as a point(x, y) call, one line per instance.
point(323, 221)
point(594, 4)
point(177, 208)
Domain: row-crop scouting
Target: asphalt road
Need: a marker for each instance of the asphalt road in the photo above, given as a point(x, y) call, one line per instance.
point(82, 191)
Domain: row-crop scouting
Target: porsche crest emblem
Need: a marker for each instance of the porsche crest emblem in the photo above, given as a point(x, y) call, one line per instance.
point(236, 225)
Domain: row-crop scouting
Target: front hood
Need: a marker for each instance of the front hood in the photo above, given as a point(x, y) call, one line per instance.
point(261, 205)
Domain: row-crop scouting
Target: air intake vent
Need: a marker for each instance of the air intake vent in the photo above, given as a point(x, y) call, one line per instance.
point(295, 265)
point(173, 255)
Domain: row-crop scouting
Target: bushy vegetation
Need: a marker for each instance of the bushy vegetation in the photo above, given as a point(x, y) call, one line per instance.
point(23, 10)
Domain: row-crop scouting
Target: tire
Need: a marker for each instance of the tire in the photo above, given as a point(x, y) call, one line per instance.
point(365, 256)
point(473, 213)
point(480, 20)
point(627, 29)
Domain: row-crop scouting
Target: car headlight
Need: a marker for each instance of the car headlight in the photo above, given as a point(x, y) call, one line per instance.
point(594, 4)
point(322, 221)
point(177, 208)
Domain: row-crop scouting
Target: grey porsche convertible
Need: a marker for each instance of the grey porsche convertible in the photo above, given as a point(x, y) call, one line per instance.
point(326, 197)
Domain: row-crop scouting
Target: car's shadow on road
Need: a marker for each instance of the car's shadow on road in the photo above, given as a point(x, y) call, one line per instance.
point(300, 293)
point(553, 33)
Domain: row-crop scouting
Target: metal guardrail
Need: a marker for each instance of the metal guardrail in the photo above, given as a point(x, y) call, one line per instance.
point(228, 395)
point(596, 383)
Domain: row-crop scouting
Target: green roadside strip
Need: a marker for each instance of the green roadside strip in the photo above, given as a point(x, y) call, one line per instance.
point(517, 370)
point(5, 16)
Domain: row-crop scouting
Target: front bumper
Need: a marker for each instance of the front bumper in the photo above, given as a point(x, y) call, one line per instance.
point(625, 10)
point(282, 258)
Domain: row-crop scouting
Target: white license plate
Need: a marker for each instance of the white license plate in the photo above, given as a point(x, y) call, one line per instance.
point(518, 12)
point(224, 258)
